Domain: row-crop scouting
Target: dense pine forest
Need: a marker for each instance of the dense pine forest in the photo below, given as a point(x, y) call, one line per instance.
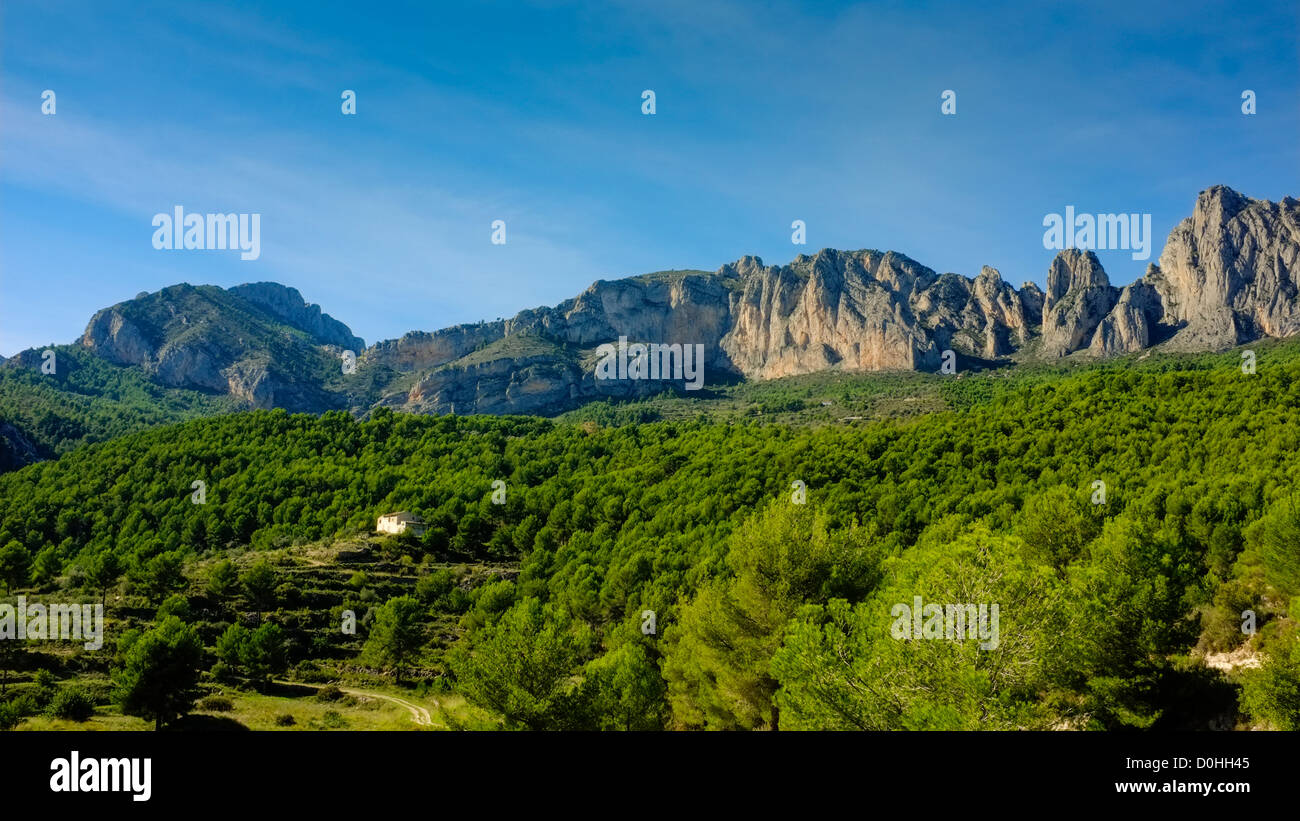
point(1133, 520)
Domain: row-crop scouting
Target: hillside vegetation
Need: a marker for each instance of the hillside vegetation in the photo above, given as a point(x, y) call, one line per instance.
point(1123, 517)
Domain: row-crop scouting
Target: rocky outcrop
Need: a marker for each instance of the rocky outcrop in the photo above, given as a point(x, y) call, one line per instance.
point(287, 305)
point(257, 382)
point(187, 365)
point(1000, 312)
point(1230, 271)
point(259, 343)
point(1078, 297)
point(499, 386)
point(684, 308)
point(1131, 324)
point(853, 310)
point(114, 337)
point(1031, 302)
point(1228, 275)
point(16, 449)
point(420, 350)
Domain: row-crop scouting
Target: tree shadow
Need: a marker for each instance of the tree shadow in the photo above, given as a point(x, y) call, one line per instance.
point(196, 723)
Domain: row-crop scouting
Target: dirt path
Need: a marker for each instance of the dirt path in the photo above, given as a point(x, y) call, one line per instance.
point(418, 714)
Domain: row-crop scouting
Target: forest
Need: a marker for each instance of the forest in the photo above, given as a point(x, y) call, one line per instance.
point(1133, 521)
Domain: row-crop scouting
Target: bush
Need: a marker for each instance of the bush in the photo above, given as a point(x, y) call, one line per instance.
point(310, 672)
point(177, 606)
point(216, 704)
point(26, 705)
point(72, 703)
point(45, 681)
point(329, 693)
point(334, 720)
point(285, 720)
point(9, 716)
point(223, 672)
point(433, 587)
point(288, 594)
point(1271, 694)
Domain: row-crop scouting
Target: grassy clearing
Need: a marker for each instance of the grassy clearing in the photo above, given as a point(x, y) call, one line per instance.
point(103, 720)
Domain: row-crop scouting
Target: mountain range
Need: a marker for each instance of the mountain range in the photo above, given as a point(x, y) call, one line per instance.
point(1228, 275)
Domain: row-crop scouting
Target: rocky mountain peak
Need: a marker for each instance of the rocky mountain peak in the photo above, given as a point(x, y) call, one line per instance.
point(1073, 269)
point(288, 305)
point(1218, 204)
point(1229, 273)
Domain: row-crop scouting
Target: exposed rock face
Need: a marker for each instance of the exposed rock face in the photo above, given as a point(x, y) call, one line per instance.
point(685, 309)
point(1001, 312)
point(498, 386)
point(236, 342)
point(287, 305)
point(116, 338)
point(1228, 275)
point(857, 310)
point(848, 309)
point(1131, 324)
point(1031, 301)
point(1230, 271)
point(16, 450)
point(187, 366)
point(681, 308)
point(1079, 295)
point(419, 349)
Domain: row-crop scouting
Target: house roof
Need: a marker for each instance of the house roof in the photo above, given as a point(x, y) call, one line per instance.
point(408, 515)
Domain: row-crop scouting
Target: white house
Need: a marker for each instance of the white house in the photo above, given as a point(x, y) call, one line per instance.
point(400, 522)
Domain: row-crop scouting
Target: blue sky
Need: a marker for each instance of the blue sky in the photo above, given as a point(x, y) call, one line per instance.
point(531, 113)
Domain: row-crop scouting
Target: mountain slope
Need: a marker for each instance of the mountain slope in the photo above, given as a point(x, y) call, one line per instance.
point(605, 523)
point(260, 343)
point(1229, 274)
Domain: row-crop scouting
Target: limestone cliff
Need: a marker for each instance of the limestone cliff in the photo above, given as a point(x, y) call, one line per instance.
point(1228, 275)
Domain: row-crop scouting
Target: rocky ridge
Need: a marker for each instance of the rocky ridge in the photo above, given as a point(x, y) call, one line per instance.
point(1228, 274)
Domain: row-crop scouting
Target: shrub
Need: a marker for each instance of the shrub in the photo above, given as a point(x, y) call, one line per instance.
point(46, 682)
point(9, 716)
point(177, 606)
point(26, 705)
point(433, 587)
point(288, 593)
point(72, 703)
point(329, 693)
point(285, 720)
point(1271, 694)
point(334, 720)
point(216, 704)
point(310, 672)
